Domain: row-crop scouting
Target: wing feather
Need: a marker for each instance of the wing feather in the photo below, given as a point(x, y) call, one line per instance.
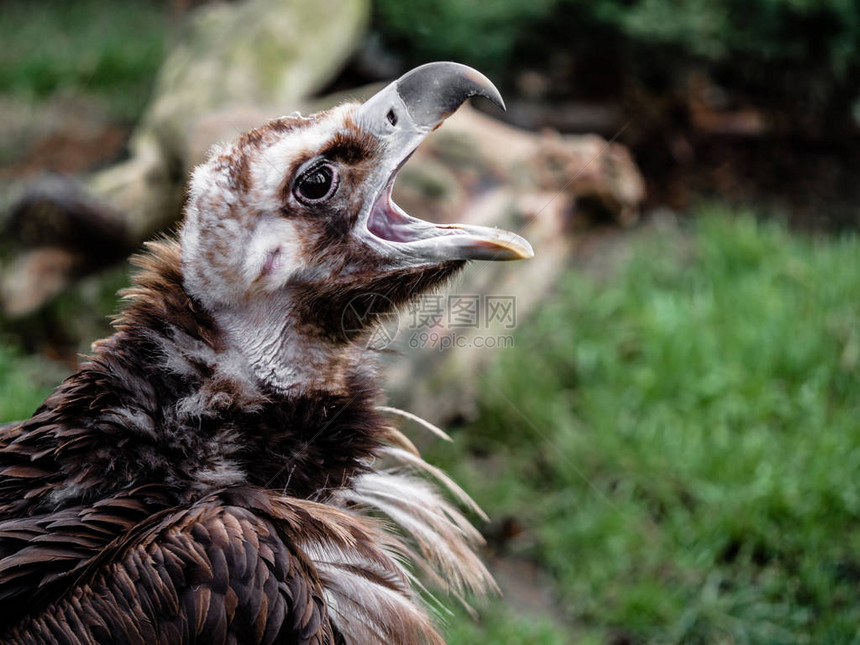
point(194, 575)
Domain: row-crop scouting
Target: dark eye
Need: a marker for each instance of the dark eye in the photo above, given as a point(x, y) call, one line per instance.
point(316, 184)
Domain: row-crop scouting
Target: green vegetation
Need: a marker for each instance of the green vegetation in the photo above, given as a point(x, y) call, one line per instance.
point(97, 47)
point(799, 56)
point(70, 323)
point(23, 385)
point(500, 627)
point(682, 440)
point(480, 33)
point(771, 29)
point(113, 50)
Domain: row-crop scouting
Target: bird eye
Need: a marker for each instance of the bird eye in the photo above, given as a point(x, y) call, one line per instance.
point(316, 184)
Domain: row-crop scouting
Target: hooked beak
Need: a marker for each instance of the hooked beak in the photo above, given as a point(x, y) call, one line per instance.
point(401, 116)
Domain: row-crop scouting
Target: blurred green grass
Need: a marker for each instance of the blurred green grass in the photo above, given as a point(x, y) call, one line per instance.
point(22, 386)
point(99, 48)
point(682, 439)
point(76, 318)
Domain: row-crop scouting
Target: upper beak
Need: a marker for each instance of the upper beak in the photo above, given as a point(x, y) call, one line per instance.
point(401, 116)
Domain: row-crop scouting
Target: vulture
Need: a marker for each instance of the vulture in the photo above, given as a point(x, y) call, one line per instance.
point(221, 469)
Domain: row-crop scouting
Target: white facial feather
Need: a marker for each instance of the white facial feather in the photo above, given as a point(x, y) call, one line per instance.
point(273, 254)
point(230, 236)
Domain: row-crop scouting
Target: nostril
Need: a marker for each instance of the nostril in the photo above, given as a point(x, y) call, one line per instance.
point(392, 117)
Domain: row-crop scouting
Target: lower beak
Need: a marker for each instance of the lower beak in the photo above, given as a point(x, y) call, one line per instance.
point(401, 116)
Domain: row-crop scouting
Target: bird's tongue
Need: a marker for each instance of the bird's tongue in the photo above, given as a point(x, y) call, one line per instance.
point(388, 222)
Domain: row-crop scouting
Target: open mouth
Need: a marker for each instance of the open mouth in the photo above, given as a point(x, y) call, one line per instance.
point(389, 223)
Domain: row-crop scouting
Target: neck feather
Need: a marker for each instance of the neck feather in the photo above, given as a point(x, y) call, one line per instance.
point(201, 401)
point(287, 355)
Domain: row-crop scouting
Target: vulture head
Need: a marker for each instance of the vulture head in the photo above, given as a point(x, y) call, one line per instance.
point(295, 220)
